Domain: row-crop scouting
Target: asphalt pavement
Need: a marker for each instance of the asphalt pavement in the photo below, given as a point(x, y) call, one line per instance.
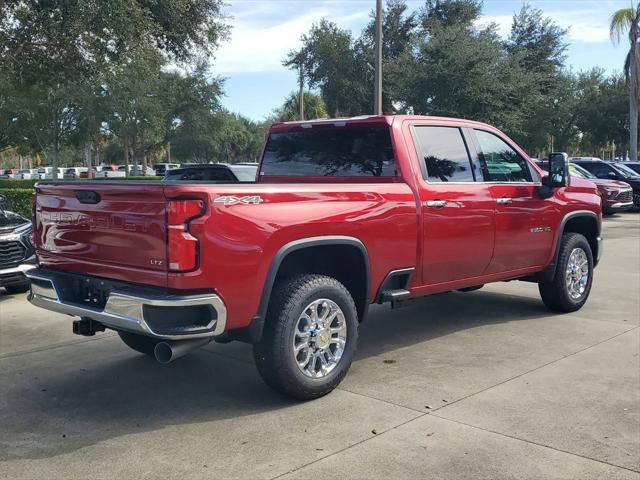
point(485, 384)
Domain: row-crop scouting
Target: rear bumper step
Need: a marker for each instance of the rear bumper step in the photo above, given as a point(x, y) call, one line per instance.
point(154, 314)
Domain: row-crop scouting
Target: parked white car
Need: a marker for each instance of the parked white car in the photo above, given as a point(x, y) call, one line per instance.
point(161, 168)
point(73, 173)
point(27, 173)
point(42, 172)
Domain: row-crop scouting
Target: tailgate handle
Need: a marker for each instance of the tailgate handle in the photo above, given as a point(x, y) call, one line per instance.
point(88, 196)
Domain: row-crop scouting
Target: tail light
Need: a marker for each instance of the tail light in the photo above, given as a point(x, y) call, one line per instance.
point(183, 247)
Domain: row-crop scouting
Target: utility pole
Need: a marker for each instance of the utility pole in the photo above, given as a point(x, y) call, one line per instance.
point(378, 76)
point(301, 94)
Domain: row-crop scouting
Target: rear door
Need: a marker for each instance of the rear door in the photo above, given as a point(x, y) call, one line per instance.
point(524, 220)
point(457, 211)
point(103, 229)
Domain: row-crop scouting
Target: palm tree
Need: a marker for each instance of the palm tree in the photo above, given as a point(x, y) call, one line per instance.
point(314, 107)
point(627, 20)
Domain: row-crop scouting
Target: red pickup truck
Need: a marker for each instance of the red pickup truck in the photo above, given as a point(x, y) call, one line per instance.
point(344, 213)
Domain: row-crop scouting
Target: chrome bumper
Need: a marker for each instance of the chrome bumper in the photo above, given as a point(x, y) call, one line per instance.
point(621, 205)
point(28, 264)
point(124, 310)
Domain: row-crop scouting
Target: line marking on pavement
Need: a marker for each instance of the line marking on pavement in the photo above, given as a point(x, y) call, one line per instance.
point(431, 413)
point(532, 442)
point(536, 368)
point(359, 442)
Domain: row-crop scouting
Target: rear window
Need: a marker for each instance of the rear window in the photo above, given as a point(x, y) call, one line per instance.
point(334, 152)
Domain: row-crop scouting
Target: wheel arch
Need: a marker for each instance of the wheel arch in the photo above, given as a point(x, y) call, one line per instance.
point(584, 222)
point(298, 255)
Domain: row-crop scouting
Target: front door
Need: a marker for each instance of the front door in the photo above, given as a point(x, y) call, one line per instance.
point(524, 220)
point(457, 212)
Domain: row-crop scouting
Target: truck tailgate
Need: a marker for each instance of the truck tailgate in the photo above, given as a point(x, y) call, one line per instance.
point(103, 229)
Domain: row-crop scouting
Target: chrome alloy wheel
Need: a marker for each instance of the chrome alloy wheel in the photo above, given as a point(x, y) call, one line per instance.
point(577, 273)
point(319, 338)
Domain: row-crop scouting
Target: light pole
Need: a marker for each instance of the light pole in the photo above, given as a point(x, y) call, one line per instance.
point(301, 94)
point(378, 75)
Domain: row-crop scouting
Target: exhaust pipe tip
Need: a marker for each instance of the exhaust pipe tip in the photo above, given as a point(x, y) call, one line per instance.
point(166, 352)
point(163, 353)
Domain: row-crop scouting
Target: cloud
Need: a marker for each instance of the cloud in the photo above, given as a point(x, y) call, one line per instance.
point(262, 36)
point(584, 25)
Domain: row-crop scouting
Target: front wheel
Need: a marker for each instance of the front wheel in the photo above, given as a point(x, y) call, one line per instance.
point(310, 336)
point(569, 289)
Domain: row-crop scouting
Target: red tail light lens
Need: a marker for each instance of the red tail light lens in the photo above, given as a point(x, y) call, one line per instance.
point(183, 247)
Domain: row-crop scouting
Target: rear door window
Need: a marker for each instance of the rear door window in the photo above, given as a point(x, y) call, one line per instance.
point(330, 152)
point(443, 153)
point(503, 163)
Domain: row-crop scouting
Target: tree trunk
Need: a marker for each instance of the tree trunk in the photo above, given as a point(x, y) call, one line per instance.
point(54, 163)
point(125, 147)
point(87, 159)
point(633, 128)
point(633, 106)
point(168, 152)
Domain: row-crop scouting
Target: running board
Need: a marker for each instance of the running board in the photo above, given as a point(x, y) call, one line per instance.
point(394, 295)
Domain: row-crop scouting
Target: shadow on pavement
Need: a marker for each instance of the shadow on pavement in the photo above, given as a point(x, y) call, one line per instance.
point(65, 399)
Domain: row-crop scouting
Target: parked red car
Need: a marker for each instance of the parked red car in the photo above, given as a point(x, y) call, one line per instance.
point(616, 196)
point(345, 213)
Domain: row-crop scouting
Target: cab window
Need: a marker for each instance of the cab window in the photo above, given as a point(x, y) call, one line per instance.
point(502, 163)
point(443, 154)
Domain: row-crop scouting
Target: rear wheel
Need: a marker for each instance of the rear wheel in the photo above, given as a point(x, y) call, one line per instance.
point(310, 336)
point(139, 343)
point(569, 289)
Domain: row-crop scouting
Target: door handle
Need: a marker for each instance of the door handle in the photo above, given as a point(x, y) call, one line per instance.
point(504, 200)
point(436, 203)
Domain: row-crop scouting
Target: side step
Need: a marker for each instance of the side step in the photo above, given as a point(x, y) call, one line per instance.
point(394, 295)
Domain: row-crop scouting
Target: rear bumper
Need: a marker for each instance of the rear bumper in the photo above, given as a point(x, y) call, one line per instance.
point(135, 309)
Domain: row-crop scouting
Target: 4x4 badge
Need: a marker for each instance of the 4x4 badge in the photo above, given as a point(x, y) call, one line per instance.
point(232, 200)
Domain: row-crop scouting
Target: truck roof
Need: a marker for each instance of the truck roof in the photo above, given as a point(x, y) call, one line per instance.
point(372, 120)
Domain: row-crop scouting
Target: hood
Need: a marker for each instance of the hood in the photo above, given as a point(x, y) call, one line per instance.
point(634, 182)
point(10, 221)
point(603, 182)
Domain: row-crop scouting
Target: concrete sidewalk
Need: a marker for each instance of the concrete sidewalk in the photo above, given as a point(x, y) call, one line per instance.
point(486, 384)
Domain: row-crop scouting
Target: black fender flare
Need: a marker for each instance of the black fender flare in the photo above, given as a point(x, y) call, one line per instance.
point(550, 271)
point(257, 324)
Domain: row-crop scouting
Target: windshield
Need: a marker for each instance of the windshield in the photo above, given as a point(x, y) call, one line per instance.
point(624, 170)
point(578, 171)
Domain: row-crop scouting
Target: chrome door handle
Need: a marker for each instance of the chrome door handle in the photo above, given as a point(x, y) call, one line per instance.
point(436, 203)
point(504, 200)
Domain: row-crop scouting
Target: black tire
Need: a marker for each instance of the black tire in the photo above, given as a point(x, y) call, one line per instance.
point(273, 355)
point(15, 289)
point(555, 293)
point(139, 343)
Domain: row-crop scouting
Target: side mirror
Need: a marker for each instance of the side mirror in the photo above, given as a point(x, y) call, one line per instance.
point(612, 175)
point(559, 170)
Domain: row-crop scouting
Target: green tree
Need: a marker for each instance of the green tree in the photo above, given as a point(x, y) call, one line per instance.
point(627, 21)
point(314, 107)
point(53, 49)
point(537, 45)
point(332, 65)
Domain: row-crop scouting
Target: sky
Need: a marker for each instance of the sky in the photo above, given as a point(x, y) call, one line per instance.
point(264, 31)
